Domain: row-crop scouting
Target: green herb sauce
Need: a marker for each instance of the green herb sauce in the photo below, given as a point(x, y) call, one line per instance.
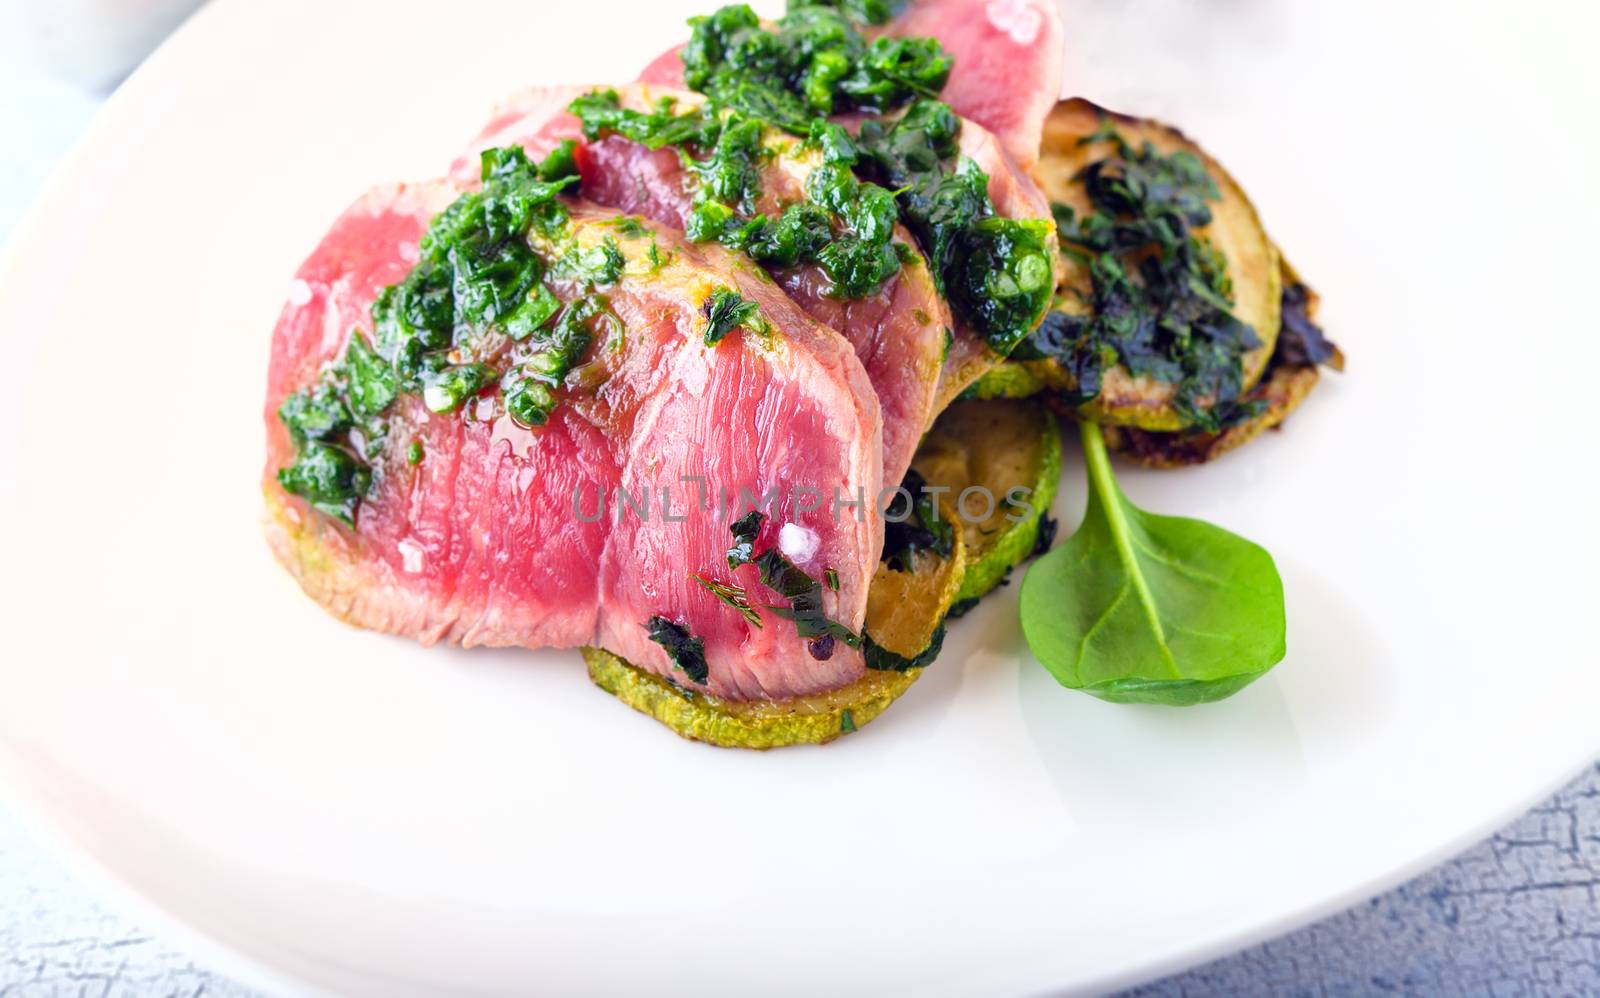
point(802, 591)
point(995, 271)
point(725, 311)
point(814, 63)
point(1161, 300)
point(860, 11)
point(477, 275)
point(842, 224)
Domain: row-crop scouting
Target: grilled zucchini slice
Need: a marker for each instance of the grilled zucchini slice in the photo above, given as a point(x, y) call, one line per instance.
point(1290, 376)
point(906, 609)
point(1282, 390)
point(1002, 446)
point(1009, 379)
point(812, 720)
point(905, 618)
point(1073, 140)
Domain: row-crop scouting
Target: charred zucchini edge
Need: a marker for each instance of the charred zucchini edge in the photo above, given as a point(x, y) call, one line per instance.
point(990, 558)
point(1143, 402)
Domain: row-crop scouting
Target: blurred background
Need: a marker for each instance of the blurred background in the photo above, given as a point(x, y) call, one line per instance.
point(90, 44)
point(59, 59)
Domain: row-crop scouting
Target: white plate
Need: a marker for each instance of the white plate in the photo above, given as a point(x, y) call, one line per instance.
point(353, 813)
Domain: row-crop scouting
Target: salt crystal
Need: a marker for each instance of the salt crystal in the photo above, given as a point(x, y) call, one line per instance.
point(410, 556)
point(1016, 18)
point(798, 543)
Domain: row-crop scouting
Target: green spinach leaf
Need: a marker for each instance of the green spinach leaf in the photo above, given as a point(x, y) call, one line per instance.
point(1141, 608)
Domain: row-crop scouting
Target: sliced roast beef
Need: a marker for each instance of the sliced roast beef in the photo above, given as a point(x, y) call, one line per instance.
point(1007, 72)
point(1013, 194)
point(1007, 63)
point(479, 530)
point(534, 118)
point(918, 357)
point(899, 331)
point(666, 69)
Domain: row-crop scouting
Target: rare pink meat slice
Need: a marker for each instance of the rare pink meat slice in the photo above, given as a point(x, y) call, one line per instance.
point(743, 416)
point(666, 69)
point(535, 118)
point(426, 557)
point(1007, 71)
point(1007, 63)
point(1013, 194)
point(493, 538)
point(899, 331)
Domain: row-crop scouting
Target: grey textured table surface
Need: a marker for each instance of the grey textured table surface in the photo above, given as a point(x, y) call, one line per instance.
point(1517, 915)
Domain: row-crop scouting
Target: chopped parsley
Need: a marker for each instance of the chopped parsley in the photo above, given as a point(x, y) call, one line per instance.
point(792, 583)
point(477, 274)
point(873, 12)
point(919, 528)
point(686, 651)
point(529, 386)
point(657, 258)
point(814, 65)
point(329, 477)
point(601, 111)
point(337, 427)
point(445, 389)
point(995, 271)
point(1160, 301)
point(632, 226)
point(843, 225)
point(725, 311)
point(558, 165)
point(596, 266)
point(744, 531)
